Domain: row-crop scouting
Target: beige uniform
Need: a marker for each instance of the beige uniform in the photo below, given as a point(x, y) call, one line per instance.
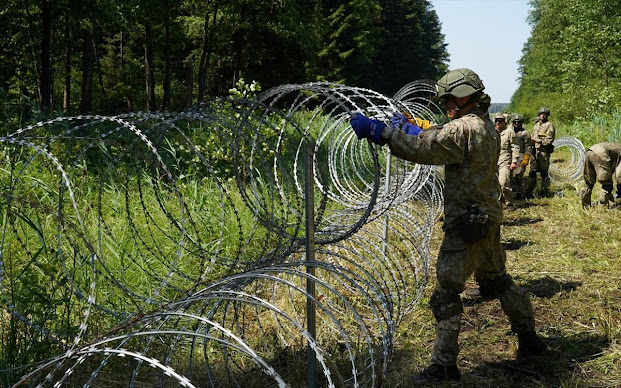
point(469, 148)
point(602, 161)
point(509, 153)
point(540, 162)
point(526, 153)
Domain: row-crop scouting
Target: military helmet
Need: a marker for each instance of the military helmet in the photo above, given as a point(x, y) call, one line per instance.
point(459, 83)
point(545, 110)
point(517, 118)
point(484, 102)
point(500, 116)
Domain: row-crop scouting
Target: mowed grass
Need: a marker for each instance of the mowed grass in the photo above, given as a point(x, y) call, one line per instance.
point(569, 260)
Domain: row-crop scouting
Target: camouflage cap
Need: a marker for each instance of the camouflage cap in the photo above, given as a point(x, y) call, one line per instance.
point(517, 118)
point(545, 110)
point(499, 116)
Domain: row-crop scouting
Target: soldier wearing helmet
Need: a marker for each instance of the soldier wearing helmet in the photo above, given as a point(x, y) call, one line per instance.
point(507, 160)
point(468, 146)
point(602, 161)
point(543, 139)
point(526, 150)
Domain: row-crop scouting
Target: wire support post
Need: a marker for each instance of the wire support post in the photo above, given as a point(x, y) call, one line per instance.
point(310, 258)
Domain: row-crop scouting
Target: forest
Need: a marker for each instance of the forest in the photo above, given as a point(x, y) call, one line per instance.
point(148, 244)
point(572, 60)
point(107, 57)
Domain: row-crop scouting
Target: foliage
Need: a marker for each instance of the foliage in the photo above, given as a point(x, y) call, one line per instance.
point(210, 46)
point(604, 127)
point(243, 90)
point(572, 60)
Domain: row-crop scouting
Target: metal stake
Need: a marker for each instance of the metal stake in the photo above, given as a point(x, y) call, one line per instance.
point(310, 259)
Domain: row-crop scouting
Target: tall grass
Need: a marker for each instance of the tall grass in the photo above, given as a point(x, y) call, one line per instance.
point(596, 129)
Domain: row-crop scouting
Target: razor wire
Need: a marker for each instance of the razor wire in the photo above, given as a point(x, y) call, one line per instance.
point(567, 160)
point(168, 248)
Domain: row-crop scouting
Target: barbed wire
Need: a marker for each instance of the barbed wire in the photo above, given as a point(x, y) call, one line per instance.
point(567, 167)
point(176, 241)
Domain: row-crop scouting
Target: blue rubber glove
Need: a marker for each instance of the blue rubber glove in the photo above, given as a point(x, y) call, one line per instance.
point(367, 128)
point(399, 121)
point(411, 129)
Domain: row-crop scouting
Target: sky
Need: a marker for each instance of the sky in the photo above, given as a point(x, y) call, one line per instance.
point(486, 36)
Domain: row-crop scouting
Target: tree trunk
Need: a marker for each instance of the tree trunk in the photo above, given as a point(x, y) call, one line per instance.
point(46, 66)
point(87, 70)
point(67, 88)
point(206, 53)
point(148, 68)
point(166, 86)
point(239, 38)
point(99, 73)
point(189, 82)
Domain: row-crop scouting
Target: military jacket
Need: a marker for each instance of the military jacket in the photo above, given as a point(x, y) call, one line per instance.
point(468, 147)
point(509, 148)
point(545, 132)
point(609, 153)
point(524, 142)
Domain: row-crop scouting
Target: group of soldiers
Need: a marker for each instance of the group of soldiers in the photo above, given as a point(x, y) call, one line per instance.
point(519, 150)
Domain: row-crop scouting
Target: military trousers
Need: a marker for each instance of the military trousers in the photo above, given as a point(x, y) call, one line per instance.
point(457, 261)
point(539, 164)
point(506, 189)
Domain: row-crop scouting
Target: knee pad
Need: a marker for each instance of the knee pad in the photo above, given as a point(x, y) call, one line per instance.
point(544, 174)
point(532, 174)
point(496, 286)
point(445, 304)
point(607, 187)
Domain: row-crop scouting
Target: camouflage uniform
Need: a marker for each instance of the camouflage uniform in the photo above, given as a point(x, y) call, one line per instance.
point(468, 147)
point(509, 153)
point(601, 161)
point(540, 162)
point(526, 151)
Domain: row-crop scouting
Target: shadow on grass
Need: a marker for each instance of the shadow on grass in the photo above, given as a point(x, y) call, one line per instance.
point(546, 287)
point(514, 244)
point(522, 221)
point(553, 368)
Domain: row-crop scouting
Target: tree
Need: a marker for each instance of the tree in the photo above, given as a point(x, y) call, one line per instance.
point(412, 46)
point(571, 62)
point(46, 66)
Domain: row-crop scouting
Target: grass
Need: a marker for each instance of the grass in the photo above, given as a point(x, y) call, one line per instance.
point(568, 260)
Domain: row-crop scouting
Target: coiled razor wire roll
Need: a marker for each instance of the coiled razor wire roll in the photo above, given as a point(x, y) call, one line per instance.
point(158, 248)
point(567, 164)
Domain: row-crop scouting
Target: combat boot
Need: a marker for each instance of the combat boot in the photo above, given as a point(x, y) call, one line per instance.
point(435, 373)
point(605, 198)
point(529, 344)
point(546, 194)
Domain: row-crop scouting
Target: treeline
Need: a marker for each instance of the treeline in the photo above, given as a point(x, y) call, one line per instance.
point(572, 61)
point(104, 56)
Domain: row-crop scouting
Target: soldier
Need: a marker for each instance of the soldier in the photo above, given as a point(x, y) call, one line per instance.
point(526, 150)
point(601, 161)
point(507, 160)
point(543, 139)
point(468, 146)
